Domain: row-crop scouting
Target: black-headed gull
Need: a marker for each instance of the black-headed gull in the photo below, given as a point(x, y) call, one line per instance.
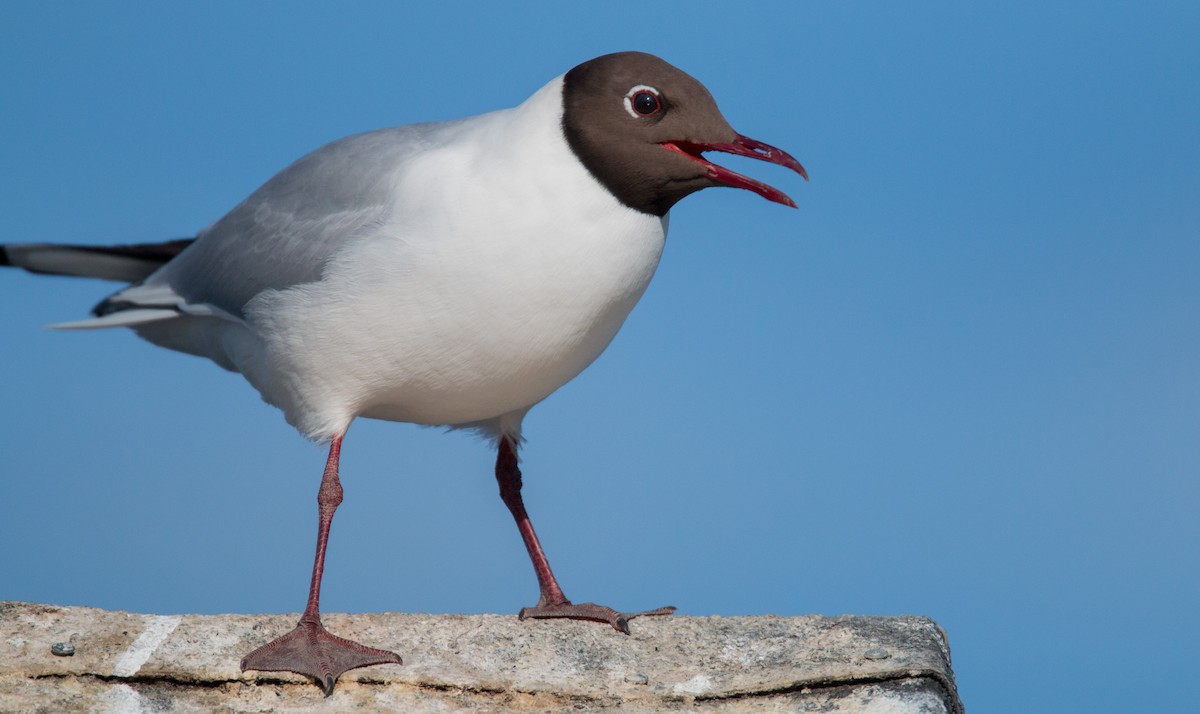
point(451, 274)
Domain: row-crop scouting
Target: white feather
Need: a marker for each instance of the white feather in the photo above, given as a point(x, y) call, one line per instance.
point(124, 318)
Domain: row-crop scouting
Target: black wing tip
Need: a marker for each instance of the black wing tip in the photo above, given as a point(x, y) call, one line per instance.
point(158, 252)
point(133, 262)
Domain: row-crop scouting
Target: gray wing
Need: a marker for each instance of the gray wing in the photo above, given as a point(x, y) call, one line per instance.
point(286, 232)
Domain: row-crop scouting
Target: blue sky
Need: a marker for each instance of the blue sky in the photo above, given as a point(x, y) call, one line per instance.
point(962, 380)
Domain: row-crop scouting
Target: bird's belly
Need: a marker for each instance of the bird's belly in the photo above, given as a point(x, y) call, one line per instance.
point(485, 373)
point(452, 339)
point(504, 349)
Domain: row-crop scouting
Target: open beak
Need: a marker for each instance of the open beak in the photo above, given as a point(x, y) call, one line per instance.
point(741, 146)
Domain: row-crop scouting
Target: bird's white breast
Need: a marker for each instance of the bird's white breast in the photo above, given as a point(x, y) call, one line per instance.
point(502, 270)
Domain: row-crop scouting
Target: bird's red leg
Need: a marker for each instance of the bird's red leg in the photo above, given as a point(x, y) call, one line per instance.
point(309, 648)
point(552, 602)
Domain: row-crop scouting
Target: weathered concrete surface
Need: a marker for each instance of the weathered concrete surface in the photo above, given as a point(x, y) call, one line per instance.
point(127, 662)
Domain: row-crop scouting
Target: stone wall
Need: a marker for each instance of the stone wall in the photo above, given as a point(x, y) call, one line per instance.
point(125, 662)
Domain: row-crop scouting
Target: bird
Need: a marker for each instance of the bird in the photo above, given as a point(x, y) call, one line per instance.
point(452, 273)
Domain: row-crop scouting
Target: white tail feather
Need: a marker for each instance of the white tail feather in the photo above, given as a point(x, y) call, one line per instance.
point(122, 318)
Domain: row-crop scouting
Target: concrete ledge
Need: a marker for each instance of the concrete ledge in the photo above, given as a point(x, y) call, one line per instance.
point(127, 662)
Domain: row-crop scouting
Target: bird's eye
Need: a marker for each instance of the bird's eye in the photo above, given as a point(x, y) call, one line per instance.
point(643, 101)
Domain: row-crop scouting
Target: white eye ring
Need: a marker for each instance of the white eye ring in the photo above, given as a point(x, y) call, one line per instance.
point(634, 92)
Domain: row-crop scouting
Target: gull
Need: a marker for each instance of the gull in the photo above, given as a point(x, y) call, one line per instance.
point(453, 273)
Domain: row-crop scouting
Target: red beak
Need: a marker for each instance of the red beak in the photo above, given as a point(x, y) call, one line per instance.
point(741, 146)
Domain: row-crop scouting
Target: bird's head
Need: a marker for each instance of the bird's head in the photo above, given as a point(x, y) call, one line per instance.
point(640, 126)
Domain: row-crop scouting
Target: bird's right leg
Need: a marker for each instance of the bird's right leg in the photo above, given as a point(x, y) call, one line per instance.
point(552, 603)
point(309, 648)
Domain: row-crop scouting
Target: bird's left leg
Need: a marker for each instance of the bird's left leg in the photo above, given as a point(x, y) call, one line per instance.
point(310, 648)
point(552, 602)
